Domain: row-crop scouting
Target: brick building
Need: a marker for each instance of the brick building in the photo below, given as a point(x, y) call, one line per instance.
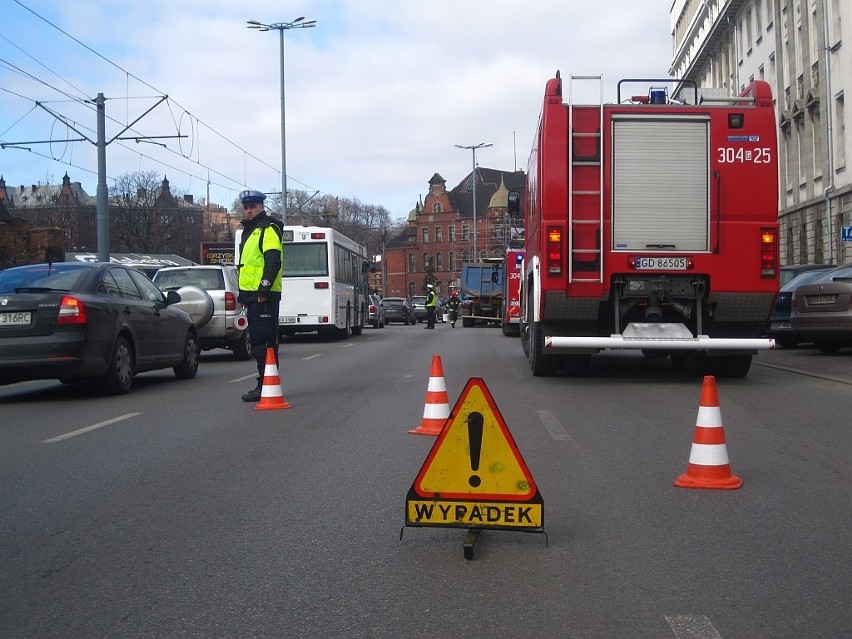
point(440, 236)
point(143, 222)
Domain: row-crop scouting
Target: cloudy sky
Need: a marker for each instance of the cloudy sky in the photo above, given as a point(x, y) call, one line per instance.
point(377, 94)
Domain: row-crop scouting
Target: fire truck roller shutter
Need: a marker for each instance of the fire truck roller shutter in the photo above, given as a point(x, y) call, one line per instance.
point(661, 184)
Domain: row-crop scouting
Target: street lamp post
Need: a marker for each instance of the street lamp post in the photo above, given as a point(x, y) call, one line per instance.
point(473, 148)
point(281, 27)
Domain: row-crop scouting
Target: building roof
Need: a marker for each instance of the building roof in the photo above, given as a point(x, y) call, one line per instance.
point(491, 184)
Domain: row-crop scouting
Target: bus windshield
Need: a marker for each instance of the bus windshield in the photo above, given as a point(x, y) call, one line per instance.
point(305, 260)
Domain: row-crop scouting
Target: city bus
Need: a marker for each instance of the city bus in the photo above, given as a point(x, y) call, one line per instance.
point(325, 286)
point(325, 282)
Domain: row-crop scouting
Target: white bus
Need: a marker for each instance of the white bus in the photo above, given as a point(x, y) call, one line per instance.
point(326, 283)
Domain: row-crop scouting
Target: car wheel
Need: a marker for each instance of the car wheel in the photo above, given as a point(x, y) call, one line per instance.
point(189, 366)
point(119, 376)
point(241, 348)
point(831, 347)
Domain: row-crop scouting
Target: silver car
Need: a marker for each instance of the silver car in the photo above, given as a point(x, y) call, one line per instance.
point(209, 295)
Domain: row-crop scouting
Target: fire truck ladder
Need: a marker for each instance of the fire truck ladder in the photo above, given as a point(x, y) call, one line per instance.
point(585, 198)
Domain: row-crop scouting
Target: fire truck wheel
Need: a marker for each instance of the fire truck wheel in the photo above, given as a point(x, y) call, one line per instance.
point(541, 365)
point(735, 366)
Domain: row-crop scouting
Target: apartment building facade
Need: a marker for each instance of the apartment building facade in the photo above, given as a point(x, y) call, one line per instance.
point(803, 49)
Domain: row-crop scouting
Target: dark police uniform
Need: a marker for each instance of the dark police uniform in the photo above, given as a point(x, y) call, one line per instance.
point(260, 277)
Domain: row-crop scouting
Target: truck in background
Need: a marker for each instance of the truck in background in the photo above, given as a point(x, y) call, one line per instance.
point(481, 292)
point(651, 224)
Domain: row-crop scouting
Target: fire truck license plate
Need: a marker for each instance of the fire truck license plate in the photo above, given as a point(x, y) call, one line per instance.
point(661, 263)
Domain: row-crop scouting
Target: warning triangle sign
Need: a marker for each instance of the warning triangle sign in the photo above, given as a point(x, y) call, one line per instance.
point(475, 456)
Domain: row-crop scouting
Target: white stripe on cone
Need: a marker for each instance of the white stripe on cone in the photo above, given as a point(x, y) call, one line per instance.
point(709, 417)
point(436, 411)
point(709, 455)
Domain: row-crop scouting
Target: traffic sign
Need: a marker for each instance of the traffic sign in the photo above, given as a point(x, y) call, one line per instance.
point(846, 233)
point(475, 476)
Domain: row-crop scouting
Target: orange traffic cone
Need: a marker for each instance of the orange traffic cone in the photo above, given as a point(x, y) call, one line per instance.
point(437, 407)
point(708, 461)
point(271, 396)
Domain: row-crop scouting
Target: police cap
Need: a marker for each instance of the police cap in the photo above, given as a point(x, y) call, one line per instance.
point(251, 196)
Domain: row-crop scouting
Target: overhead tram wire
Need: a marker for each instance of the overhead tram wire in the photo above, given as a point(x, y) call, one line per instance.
point(135, 77)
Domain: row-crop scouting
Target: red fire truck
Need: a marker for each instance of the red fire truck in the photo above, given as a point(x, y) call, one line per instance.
point(651, 224)
point(513, 264)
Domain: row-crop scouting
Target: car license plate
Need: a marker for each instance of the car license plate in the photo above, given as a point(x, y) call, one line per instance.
point(287, 320)
point(661, 263)
point(816, 300)
point(15, 319)
point(780, 326)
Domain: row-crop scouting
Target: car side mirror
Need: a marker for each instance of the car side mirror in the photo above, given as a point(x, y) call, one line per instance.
point(172, 296)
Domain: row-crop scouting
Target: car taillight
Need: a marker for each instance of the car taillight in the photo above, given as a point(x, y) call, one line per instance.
point(71, 311)
point(554, 250)
point(230, 301)
point(768, 252)
point(373, 309)
point(320, 284)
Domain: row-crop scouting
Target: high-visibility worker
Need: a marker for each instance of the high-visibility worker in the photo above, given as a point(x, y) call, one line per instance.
point(260, 281)
point(431, 306)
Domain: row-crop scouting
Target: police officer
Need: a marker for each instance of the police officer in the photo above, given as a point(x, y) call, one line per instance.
point(431, 306)
point(260, 281)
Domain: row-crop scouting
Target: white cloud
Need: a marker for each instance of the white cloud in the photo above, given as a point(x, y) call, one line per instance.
point(377, 94)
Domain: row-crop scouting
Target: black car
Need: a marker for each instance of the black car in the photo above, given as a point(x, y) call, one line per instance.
point(398, 309)
point(779, 320)
point(90, 321)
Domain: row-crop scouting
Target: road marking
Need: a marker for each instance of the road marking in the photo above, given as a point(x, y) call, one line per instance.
point(53, 440)
point(346, 345)
point(244, 378)
point(692, 627)
point(311, 356)
point(799, 371)
point(553, 426)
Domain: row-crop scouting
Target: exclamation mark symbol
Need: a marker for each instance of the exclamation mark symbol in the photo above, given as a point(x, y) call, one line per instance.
point(474, 430)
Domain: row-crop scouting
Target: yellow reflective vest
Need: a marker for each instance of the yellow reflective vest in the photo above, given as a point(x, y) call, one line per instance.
point(252, 262)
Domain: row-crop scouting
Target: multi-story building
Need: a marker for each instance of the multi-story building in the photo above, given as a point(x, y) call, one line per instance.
point(801, 48)
point(441, 234)
point(141, 222)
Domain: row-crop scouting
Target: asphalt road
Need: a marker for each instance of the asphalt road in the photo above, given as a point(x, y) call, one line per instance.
point(179, 511)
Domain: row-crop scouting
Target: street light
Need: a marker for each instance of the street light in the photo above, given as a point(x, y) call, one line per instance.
point(473, 148)
point(281, 27)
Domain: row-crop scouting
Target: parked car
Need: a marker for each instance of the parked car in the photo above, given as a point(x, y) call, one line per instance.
point(778, 326)
point(822, 310)
point(376, 312)
point(420, 312)
point(102, 322)
point(219, 283)
point(792, 270)
point(398, 309)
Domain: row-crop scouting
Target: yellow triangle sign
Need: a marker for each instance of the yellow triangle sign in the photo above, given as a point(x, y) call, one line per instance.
point(475, 456)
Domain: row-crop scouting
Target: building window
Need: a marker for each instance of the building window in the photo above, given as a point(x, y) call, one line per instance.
point(451, 229)
point(412, 267)
point(425, 235)
point(426, 262)
point(452, 259)
point(437, 207)
point(464, 233)
point(439, 236)
point(439, 261)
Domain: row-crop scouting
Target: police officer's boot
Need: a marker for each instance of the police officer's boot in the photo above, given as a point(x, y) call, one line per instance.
point(254, 394)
